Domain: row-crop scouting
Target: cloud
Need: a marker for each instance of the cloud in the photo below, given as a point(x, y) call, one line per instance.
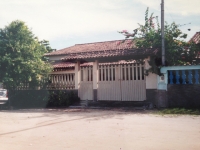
point(78, 19)
point(50, 19)
point(181, 7)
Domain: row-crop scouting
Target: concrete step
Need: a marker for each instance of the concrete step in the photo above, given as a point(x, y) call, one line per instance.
point(84, 103)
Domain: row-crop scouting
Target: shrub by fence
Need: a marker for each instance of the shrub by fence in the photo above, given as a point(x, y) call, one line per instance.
point(42, 98)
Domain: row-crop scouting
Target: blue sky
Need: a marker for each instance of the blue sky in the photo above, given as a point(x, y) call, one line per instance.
point(67, 22)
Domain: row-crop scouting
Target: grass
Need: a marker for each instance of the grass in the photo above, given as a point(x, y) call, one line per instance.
point(177, 111)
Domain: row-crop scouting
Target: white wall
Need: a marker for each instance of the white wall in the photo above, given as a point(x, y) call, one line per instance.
point(151, 81)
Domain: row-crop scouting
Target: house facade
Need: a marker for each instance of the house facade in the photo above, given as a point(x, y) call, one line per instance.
point(118, 71)
point(104, 71)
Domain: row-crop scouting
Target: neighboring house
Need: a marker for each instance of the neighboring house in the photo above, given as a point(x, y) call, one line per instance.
point(108, 71)
point(196, 40)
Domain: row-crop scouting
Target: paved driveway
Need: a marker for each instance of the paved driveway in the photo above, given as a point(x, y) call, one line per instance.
point(91, 129)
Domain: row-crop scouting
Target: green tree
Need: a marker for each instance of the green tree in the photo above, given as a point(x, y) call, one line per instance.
point(177, 50)
point(21, 56)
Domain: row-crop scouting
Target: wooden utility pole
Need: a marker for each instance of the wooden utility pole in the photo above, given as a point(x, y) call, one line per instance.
point(162, 32)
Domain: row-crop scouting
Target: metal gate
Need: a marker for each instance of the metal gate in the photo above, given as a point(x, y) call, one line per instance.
point(122, 82)
point(85, 91)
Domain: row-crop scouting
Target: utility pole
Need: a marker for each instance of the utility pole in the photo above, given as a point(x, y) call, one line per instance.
point(162, 32)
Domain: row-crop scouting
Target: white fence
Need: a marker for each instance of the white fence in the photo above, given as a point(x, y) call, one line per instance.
point(61, 81)
point(124, 82)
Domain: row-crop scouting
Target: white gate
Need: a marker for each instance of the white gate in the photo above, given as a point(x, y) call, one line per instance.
point(122, 82)
point(109, 85)
point(85, 91)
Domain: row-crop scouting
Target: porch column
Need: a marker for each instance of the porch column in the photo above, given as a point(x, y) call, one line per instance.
point(95, 79)
point(77, 75)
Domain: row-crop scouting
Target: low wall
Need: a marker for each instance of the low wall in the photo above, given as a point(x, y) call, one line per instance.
point(157, 97)
point(41, 98)
point(187, 96)
point(184, 95)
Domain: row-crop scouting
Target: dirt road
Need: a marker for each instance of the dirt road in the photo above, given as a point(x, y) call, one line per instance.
point(90, 129)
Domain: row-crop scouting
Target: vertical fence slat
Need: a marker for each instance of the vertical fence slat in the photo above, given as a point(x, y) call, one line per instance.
point(183, 77)
point(177, 77)
point(111, 67)
point(190, 76)
point(171, 77)
point(140, 68)
point(136, 66)
point(196, 77)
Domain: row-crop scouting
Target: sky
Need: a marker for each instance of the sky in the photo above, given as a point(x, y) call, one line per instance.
point(65, 23)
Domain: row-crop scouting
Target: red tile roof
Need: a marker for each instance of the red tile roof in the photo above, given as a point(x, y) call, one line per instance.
point(97, 46)
point(195, 38)
point(102, 49)
point(110, 53)
point(62, 65)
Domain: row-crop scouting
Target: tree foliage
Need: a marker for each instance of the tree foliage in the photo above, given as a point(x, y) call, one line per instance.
point(177, 50)
point(22, 57)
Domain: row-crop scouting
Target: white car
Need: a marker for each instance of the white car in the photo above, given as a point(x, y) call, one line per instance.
point(3, 96)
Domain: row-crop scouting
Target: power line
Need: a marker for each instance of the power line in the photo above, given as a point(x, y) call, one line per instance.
point(170, 14)
point(184, 24)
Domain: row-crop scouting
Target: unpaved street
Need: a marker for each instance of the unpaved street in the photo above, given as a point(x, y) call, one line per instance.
point(91, 129)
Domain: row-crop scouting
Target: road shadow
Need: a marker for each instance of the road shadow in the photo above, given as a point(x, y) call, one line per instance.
point(79, 114)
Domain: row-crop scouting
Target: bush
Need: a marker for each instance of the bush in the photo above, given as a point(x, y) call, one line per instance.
point(42, 98)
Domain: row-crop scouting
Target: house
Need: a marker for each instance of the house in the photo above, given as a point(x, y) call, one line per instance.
point(118, 71)
point(195, 38)
point(104, 71)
